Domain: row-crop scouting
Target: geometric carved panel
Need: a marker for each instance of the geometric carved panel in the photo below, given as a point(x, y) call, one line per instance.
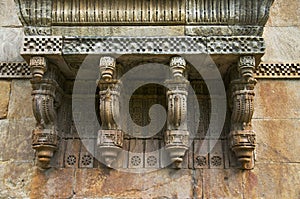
point(278, 70)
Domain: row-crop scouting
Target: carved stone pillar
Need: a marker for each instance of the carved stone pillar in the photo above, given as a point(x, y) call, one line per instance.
point(45, 100)
point(177, 135)
point(110, 137)
point(242, 137)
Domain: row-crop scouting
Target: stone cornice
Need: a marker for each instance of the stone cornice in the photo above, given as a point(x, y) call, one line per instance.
point(39, 17)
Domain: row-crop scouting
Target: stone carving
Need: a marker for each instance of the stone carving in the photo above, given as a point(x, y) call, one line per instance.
point(264, 70)
point(242, 137)
point(216, 161)
point(246, 67)
point(177, 135)
point(151, 161)
point(218, 27)
point(134, 45)
point(201, 161)
point(86, 161)
point(110, 137)
point(239, 44)
point(125, 12)
point(71, 160)
point(30, 30)
point(274, 70)
point(42, 45)
point(136, 160)
point(177, 65)
point(45, 92)
point(38, 66)
point(14, 70)
point(218, 30)
point(225, 12)
point(164, 45)
point(143, 45)
point(129, 12)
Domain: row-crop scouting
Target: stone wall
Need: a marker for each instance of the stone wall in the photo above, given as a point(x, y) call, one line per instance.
point(276, 122)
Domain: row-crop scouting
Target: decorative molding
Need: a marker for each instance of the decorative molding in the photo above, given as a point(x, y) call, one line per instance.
point(134, 45)
point(220, 30)
point(235, 45)
point(21, 70)
point(35, 30)
point(280, 70)
point(39, 16)
point(164, 45)
point(14, 70)
point(43, 45)
point(227, 12)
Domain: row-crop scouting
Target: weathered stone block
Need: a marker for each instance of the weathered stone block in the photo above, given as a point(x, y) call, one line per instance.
point(277, 140)
point(163, 183)
point(4, 93)
point(15, 179)
point(20, 105)
point(272, 181)
point(277, 99)
point(17, 142)
point(8, 13)
point(221, 183)
point(282, 44)
point(10, 44)
point(53, 183)
point(4, 126)
point(284, 13)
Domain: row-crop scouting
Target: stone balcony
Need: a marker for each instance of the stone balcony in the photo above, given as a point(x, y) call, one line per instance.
point(120, 35)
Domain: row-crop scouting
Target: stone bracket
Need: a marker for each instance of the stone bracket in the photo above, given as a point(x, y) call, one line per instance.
point(46, 92)
point(177, 135)
point(242, 137)
point(110, 137)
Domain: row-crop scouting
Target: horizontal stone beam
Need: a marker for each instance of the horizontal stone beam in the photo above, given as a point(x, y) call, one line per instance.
point(218, 45)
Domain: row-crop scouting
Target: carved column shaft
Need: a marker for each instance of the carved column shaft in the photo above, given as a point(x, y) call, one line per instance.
point(177, 135)
point(242, 137)
point(110, 137)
